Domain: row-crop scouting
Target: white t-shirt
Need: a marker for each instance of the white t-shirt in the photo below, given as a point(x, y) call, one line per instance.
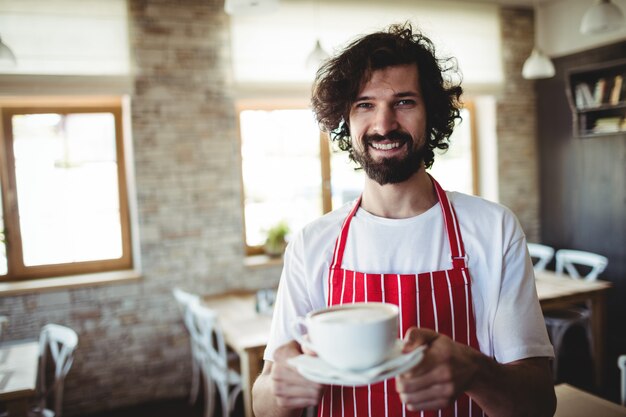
point(509, 321)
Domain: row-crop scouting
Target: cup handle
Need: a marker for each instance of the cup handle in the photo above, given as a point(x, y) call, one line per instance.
point(297, 334)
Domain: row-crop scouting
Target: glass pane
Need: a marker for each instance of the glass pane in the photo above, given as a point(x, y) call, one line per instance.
point(346, 182)
point(67, 187)
point(3, 249)
point(453, 168)
point(281, 170)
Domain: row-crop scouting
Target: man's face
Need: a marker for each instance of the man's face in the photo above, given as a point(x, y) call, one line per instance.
point(388, 124)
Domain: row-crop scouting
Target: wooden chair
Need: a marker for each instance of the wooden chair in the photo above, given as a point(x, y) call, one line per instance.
point(558, 322)
point(541, 255)
point(61, 342)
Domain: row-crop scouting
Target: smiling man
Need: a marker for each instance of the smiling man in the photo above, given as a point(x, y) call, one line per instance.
point(456, 265)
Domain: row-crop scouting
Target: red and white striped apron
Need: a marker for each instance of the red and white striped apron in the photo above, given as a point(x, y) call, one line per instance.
point(439, 300)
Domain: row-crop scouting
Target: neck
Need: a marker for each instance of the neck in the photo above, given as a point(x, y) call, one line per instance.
point(399, 201)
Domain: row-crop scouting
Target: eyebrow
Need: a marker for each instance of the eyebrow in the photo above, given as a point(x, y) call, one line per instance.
point(397, 95)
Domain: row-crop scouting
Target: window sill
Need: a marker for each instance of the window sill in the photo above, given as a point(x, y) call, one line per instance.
point(261, 261)
point(67, 282)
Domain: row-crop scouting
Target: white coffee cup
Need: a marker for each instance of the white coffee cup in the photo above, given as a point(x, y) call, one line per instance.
point(351, 336)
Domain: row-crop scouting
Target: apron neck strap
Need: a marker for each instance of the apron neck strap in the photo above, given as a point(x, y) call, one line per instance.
point(453, 230)
point(451, 225)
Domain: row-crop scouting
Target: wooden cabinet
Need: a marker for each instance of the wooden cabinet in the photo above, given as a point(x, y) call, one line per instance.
point(597, 96)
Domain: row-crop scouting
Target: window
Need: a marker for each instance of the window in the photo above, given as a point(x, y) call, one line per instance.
point(290, 174)
point(64, 205)
point(455, 168)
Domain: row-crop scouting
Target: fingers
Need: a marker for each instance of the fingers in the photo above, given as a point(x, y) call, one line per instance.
point(286, 351)
point(291, 389)
point(432, 383)
point(415, 337)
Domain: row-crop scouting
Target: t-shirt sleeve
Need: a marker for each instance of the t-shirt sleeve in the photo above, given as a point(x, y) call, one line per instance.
point(519, 330)
point(292, 298)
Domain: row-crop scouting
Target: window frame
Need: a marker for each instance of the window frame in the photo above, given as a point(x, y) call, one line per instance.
point(16, 270)
point(325, 154)
point(270, 105)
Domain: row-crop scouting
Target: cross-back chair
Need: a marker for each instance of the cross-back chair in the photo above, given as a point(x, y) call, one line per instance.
point(541, 255)
point(60, 342)
point(184, 300)
point(621, 363)
point(211, 347)
point(558, 322)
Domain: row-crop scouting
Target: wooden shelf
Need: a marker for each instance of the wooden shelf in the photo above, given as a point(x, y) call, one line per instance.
point(597, 97)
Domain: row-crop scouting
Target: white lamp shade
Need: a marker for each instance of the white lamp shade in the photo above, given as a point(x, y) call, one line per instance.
point(537, 66)
point(602, 17)
point(317, 56)
point(7, 57)
point(250, 7)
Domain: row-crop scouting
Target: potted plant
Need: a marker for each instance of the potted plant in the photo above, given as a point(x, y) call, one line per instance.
point(275, 242)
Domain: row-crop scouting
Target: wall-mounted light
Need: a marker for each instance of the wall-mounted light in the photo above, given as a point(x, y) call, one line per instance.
point(603, 16)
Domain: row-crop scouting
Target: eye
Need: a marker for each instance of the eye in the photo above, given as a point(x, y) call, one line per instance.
point(363, 105)
point(405, 102)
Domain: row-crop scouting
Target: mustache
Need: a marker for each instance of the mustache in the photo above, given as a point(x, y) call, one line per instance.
point(395, 135)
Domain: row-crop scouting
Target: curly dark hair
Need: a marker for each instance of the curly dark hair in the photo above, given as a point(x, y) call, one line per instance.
point(339, 80)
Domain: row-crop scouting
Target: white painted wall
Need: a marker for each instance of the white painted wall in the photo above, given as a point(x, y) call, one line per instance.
point(558, 28)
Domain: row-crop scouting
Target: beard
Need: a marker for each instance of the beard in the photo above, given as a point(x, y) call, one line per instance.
point(391, 170)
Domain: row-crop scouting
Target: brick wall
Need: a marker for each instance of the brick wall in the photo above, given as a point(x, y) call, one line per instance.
point(518, 165)
point(132, 345)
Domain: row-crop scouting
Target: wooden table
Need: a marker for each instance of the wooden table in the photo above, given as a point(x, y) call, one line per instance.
point(572, 402)
point(18, 376)
point(558, 292)
point(246, 332)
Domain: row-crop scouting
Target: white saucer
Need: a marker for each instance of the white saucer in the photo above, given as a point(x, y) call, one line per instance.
point(317, 370)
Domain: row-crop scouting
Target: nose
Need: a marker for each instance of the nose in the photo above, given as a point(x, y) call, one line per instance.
point(385, 120)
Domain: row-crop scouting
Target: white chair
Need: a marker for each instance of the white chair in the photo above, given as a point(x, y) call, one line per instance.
point(61, 342)
point(558, 322)
point(211, 348)
point(541, 255)
point(185, 299)
point(567, 259)
point(621, 363)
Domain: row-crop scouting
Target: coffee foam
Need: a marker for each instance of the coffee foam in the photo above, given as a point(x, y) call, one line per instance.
point(354, 315)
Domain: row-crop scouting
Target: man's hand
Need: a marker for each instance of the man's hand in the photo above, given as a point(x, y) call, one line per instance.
point(445, 372)
point(291, 389)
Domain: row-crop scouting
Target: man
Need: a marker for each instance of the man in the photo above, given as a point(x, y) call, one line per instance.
point(457, 265)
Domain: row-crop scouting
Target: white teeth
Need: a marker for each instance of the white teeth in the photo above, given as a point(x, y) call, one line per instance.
point(386, 146)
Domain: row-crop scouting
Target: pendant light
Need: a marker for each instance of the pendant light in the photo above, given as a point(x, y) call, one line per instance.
point(6, 55)
point(318, 54)
point(250, 7)
point(603, 16)
point(537, 65)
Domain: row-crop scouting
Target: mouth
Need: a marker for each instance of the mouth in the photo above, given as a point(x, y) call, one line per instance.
point(386, 146)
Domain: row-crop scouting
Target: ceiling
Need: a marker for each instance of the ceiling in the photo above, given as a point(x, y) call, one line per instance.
point(528, 3)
